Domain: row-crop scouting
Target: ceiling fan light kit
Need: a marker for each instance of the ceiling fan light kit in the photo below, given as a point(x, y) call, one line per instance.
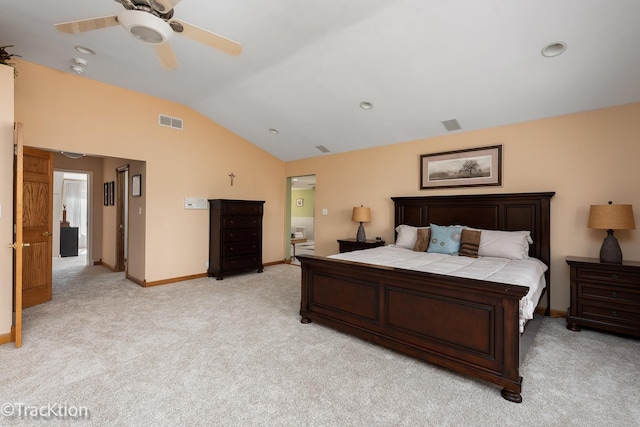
point(145, 26)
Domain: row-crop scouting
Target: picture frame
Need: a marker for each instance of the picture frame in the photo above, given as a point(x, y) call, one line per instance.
point(112, 193)
point(106, 194)
point(471, 167)
point(299, 202)
point(136, 185)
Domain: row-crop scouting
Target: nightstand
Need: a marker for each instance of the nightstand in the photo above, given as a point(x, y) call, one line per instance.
point(604, 296)
point(348, 245)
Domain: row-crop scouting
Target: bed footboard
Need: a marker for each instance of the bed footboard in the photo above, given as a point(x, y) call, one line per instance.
point(466, 325)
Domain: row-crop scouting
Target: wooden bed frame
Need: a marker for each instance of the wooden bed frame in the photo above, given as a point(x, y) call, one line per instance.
point(469, 326)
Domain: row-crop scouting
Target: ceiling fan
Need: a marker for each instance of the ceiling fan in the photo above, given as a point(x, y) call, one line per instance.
point(152, 22)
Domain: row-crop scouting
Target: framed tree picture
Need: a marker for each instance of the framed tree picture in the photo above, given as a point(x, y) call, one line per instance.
point(462, 168)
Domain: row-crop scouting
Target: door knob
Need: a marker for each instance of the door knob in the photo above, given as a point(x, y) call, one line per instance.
point(46, 234)
point(15, 245)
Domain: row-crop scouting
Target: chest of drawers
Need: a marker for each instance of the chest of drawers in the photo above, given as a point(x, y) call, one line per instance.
point(235, 236)
point(604, 296)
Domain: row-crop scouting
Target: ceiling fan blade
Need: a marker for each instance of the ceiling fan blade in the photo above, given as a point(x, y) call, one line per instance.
point(210, 39)
point(75, 27)
point(166, 55)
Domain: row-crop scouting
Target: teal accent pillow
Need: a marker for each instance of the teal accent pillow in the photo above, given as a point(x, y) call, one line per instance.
point(445, 239)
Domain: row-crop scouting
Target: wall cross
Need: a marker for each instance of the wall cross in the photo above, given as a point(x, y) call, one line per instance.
point(231, 175)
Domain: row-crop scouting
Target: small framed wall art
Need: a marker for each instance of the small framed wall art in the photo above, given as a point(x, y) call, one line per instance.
point(112, 193)
point(136, 185)
point(299, 202)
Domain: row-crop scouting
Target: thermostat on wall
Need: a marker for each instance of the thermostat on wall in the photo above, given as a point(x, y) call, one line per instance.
point(195, 203)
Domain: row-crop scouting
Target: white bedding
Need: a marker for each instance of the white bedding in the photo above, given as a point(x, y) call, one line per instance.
point(525, 272)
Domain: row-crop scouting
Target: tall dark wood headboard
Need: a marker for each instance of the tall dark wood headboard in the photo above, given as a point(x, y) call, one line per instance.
point(510, 212)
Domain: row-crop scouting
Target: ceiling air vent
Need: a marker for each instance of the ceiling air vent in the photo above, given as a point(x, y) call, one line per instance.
point(322, 148)
point(172, 122)
point(451, 125)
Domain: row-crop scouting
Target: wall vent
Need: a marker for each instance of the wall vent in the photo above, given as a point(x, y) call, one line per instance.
point(172, 122)
point(322, 148)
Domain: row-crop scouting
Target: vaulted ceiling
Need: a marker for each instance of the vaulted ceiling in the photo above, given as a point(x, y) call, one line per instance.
point(307, 65)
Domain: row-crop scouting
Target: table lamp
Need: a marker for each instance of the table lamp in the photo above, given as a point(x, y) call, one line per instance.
point(361, 214)
point(611, 217)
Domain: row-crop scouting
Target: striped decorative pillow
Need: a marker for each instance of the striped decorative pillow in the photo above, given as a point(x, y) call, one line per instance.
point(470, 243)
point(422, 242)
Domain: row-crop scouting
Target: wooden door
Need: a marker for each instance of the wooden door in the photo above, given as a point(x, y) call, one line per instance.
point(18, 239)
point(37, 223)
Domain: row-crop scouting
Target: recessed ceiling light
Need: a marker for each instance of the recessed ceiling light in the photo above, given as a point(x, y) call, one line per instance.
point(85, 50)
point(274, 131)
point(554, 49)
point(366, 105)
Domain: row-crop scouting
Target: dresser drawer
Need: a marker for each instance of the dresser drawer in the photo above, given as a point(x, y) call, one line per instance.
point(592, 310)
point(233, 208)
point(241, 263)
point(238, 248)
point(234, 235)
point(241, 222)
point(617, 294)
point(585, 273)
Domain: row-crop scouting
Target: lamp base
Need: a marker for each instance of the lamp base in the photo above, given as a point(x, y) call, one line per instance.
point(361, 237)
point(610, 251)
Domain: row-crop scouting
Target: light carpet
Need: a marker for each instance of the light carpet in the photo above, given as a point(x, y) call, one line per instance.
point(234, 353)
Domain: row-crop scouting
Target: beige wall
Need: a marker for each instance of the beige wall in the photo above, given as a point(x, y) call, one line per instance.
point(586, 158)
point(6, 200)
point(137, 231)
point(61, 111)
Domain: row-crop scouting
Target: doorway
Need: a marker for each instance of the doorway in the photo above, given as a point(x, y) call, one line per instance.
point(122, 223)
point(71, 207)
point(301, 233)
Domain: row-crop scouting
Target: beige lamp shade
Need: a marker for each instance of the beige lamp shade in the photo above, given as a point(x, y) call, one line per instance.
point(611, 217)
point(361, 214)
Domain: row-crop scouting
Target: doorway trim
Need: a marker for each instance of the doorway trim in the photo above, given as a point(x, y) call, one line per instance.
point(90, 207)
point(122, 197)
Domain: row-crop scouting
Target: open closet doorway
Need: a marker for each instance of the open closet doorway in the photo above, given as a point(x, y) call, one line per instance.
point(301, 218)
point(71, 207)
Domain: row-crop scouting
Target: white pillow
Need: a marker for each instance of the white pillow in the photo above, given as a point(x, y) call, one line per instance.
point(407, 236)
point(505, 244)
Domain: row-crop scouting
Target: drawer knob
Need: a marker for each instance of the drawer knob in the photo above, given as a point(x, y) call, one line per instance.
point(614, 294)
point(614, 276)
point(614, 313)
